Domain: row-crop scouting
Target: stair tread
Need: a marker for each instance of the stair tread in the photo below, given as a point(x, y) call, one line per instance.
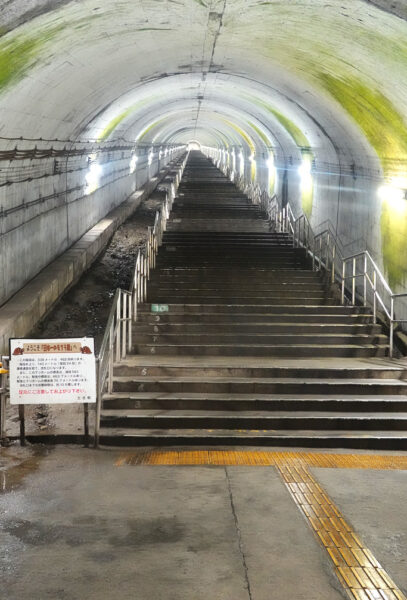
point(268, 362)
point(254, 396)
point(263, 380)
point(243, 414)
point(241, 433)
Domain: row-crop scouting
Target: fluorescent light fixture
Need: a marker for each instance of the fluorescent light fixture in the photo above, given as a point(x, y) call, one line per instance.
point(92, 178)
point(133, 163)
point(270, 162)
point(392, 193)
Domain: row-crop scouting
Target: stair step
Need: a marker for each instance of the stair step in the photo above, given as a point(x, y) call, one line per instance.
point(249, 420)
point(310, 350)
point(385, 439)
point(242, 402)
point(260, 385)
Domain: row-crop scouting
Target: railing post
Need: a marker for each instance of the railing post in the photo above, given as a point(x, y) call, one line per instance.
point(123, 326)
point(110, 365)
point(354, 282)
point(320, 253)
point(328, 242)
point(3, 403)
point(118, 324)
point(374, 297)
point(130, 325)
point(145, 278)
point(98, 405)
point(313, 254)
point(391, 327)
point(365, 281)
point(333, 264)
point(343, 282)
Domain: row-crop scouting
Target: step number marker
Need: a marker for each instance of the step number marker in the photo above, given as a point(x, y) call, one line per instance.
point(159, 308)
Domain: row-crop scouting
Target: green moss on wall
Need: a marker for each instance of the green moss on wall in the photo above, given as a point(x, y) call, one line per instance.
point(375, 115)
point(294, 131)
point(18, 54)
point(111, 126)
point(260, 133)
point(393, 225)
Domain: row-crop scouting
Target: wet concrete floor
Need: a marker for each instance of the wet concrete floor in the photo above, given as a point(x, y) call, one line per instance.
point(75, 526)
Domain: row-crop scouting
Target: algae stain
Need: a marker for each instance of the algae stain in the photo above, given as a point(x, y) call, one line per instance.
point(375, 115)
point(147, 130)
point(18, 54)
point(386, 131)
point(260, 133)
point(294, 131)
point(393, 224)
point(111, 126)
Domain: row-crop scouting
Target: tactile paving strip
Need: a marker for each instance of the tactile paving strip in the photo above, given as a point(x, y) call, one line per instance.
point(357, 569)
point(360, 574)
point(261, 458)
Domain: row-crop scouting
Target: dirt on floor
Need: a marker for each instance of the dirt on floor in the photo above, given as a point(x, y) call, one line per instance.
point(84, 310)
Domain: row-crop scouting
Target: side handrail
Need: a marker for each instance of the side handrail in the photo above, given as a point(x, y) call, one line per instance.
point(117, 340)
point(326, 252)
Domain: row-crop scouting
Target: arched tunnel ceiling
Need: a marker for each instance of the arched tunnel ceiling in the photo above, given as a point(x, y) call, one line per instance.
point(333, 73)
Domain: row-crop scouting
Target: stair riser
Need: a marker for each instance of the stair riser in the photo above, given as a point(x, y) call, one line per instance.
point(265, 309)
point(281, 351)
point(123, 370)
point(206, 442)
point(254, 289)
point(259, 388)
point(257, 339)
point(230, 320)
point(240, 329)
point(262, 405)
point(215, 300)
point(252, 423)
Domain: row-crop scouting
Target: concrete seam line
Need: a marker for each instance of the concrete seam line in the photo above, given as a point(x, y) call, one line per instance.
point(239, 535)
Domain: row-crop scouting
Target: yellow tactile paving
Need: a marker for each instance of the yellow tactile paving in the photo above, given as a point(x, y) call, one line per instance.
point(262, 459)
point(357, 569)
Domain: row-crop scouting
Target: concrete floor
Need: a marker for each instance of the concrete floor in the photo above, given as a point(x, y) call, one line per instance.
point(75, 526)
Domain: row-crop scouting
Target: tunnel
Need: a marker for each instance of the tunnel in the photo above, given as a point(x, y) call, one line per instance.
point(203, 203)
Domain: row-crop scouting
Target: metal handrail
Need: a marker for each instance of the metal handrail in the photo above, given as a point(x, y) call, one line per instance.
point(117, 340)
point(326, 252)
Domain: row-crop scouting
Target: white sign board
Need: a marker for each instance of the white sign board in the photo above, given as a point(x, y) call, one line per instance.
point(57, 371)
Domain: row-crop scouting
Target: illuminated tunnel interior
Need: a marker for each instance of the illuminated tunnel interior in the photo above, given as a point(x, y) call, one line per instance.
point(305, 98)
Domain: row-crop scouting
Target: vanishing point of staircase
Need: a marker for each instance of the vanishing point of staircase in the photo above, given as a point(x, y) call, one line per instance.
point(241, 342)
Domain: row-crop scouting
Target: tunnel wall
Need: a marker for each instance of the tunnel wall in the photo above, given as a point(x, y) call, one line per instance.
point(45, 216)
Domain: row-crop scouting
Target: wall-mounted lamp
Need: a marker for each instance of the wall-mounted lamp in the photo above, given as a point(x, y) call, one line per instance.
point(395, 191)
point(133, 163)
point(92, 178)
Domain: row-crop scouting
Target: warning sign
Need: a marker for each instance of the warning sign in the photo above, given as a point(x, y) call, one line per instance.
point(56, 371)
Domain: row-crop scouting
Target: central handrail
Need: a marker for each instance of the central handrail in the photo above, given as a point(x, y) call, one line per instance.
point(117, 340)
point(326, 252)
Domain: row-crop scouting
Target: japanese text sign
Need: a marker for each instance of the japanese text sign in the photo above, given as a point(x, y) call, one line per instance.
point(57, 371)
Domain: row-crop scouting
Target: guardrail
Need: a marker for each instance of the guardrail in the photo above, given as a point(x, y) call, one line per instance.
point(117, 340)
point(326, 252)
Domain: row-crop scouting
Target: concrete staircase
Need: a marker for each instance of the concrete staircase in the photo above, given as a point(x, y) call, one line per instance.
point(242, 343)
